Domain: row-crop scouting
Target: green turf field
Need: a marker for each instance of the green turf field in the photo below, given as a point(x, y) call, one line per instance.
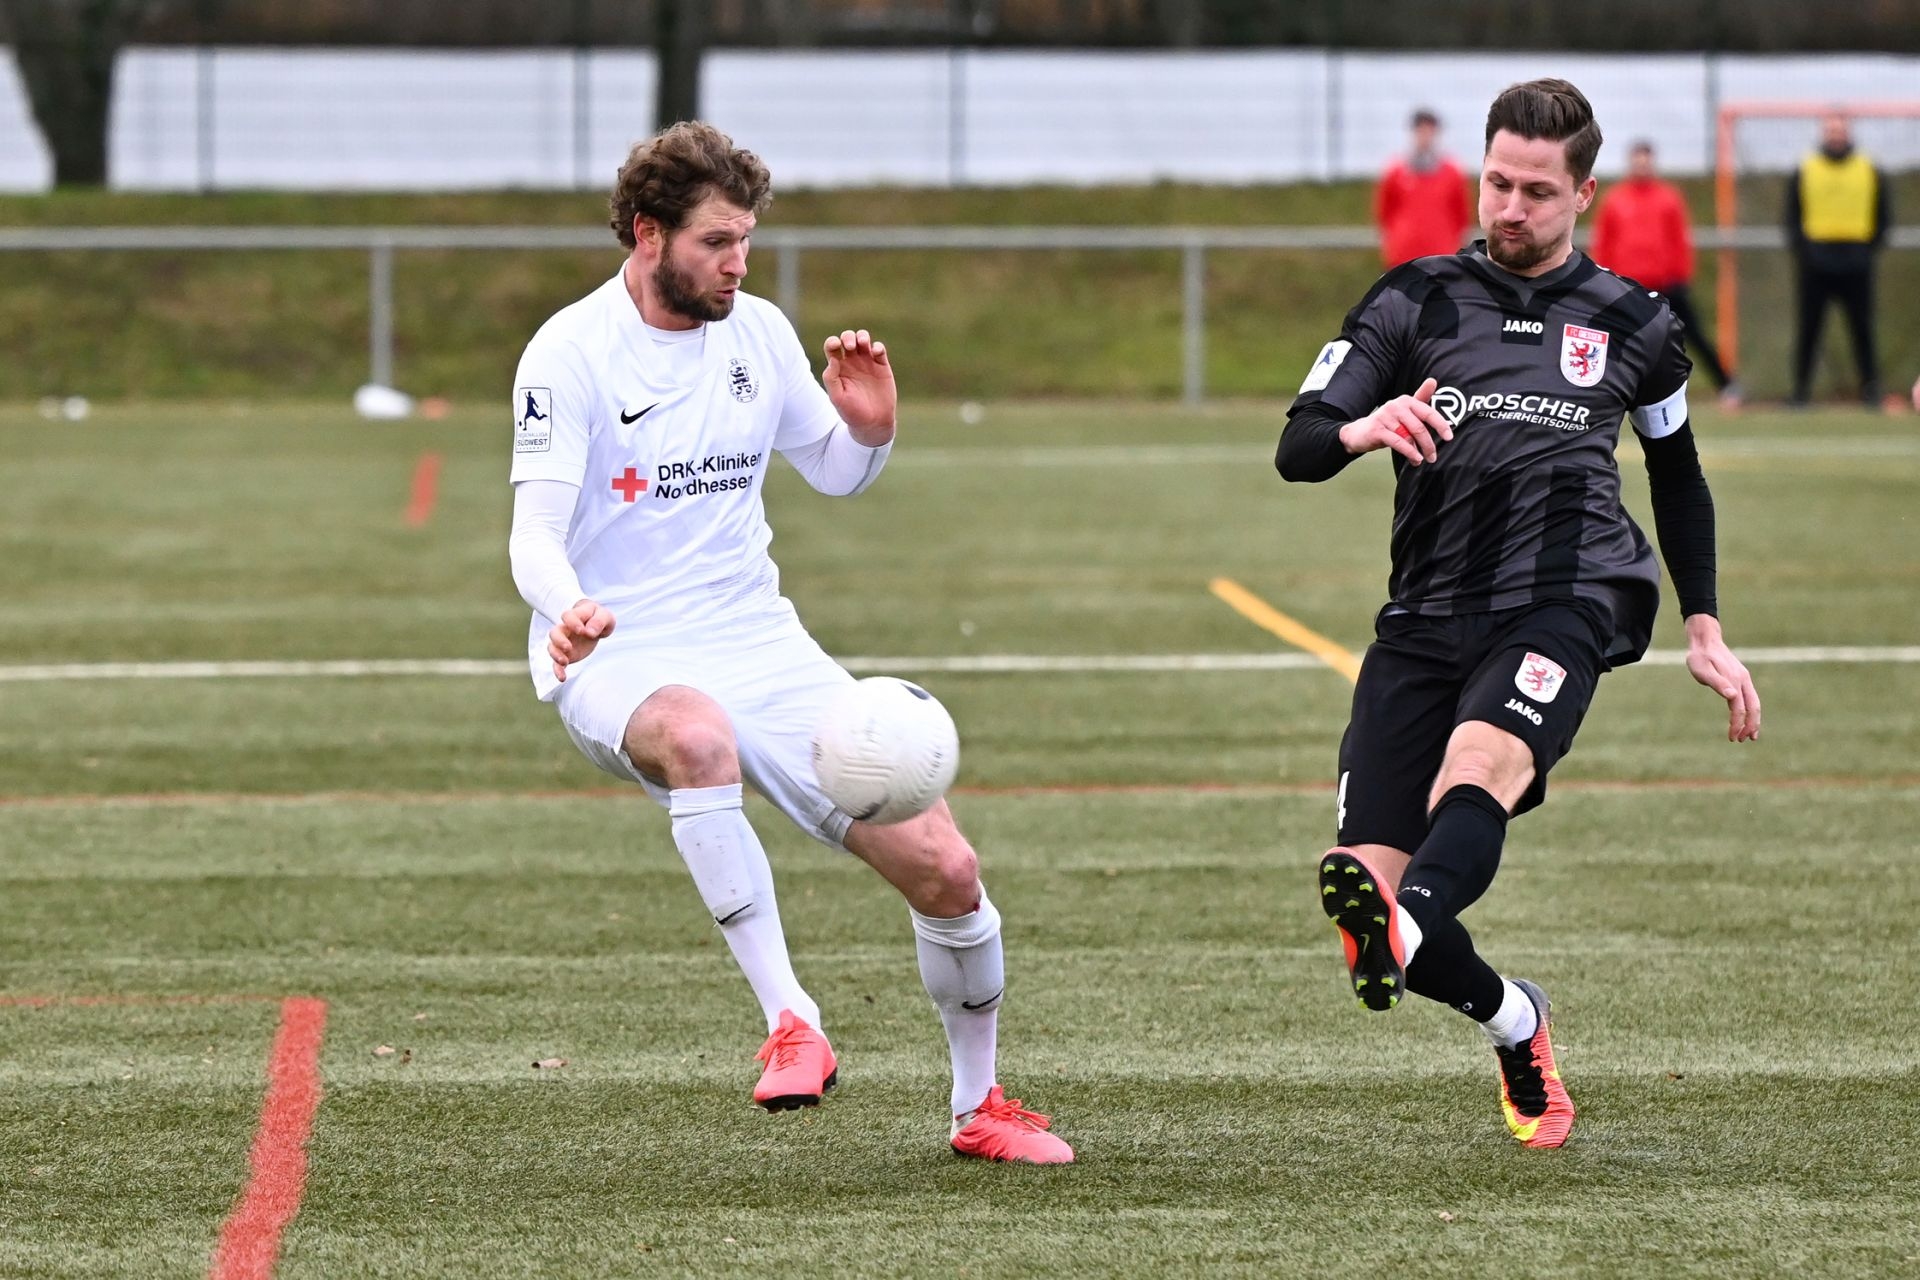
point(1727, 932)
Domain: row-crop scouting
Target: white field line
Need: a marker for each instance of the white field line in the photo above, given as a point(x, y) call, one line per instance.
point(988, 663)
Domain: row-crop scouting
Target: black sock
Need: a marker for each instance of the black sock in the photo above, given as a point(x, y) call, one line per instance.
point(1455, 863)
point(1447, 968)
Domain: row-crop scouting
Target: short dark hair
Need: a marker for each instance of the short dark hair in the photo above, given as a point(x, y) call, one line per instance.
point(1552, 110)
point(1425, 116)
point(674, 170)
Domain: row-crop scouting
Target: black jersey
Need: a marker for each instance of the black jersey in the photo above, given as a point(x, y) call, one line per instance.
point(1523, 504)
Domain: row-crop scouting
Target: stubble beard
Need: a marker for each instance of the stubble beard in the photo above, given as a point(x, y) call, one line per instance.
point(679, 294)
point(1517, 256)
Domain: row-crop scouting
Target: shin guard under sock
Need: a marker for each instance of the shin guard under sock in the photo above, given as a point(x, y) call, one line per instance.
point(1455, 863)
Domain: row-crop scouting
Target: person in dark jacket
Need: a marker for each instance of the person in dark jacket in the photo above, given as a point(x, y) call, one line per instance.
point(1838, 210)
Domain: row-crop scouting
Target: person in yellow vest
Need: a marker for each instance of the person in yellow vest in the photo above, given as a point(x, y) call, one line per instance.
point(1838, 211)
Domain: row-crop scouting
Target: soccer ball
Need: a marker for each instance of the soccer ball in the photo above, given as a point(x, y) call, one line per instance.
point(885, 750)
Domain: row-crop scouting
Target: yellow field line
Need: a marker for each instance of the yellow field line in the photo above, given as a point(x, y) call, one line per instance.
point(1265, 616)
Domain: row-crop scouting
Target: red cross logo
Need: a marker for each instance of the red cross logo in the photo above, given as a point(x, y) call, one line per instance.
point(629, 484)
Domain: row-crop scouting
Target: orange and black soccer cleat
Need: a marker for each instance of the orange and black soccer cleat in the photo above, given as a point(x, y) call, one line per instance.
point(1535, 1103)
point(800, 1066)
point(1001, 1129)
point(1356, 901)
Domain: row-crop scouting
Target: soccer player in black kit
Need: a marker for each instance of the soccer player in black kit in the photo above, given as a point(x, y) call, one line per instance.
point(1498, 377)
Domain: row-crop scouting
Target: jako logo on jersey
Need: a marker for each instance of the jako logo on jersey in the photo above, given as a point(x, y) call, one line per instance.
point(1517, 330)
point(689, 479)
point(1583, 355)
point(1522, 709)
point(1456, 406)
point(1539, 677)
point(741, 382)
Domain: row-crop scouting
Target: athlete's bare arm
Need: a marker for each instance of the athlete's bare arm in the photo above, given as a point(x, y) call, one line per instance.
point(859, 381)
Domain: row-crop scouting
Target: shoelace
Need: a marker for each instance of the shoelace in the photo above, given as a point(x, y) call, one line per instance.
point(1526, 1086)
point(782, 1048)
point(1010, 1109)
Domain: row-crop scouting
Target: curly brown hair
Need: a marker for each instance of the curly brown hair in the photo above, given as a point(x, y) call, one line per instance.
point(674, 170)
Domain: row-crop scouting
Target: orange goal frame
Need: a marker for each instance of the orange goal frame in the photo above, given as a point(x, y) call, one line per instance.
point(1726, 193)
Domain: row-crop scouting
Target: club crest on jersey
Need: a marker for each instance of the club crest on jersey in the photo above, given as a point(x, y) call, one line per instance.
point(1539, 678)
point(741, 382)
point(1583, 355)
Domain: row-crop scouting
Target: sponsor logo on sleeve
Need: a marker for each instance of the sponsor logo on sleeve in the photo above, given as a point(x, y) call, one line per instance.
point(1583, 355)
point(532, 419)
point(1539, 677)
point(1324, 364)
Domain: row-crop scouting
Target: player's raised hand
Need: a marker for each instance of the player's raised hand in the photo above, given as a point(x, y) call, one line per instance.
point(1714, 666)
point(1408, 425)
point(578, 631)
point(859, 381)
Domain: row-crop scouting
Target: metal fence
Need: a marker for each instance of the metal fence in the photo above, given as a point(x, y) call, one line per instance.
point(1193, 244)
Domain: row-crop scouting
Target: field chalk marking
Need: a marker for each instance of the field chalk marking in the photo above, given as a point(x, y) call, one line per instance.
point(1265, 616)
point(250, 1237)
point(951, 664)
point(425, 491)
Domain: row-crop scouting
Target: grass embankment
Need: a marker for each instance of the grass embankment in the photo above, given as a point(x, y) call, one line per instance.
point(973, 324)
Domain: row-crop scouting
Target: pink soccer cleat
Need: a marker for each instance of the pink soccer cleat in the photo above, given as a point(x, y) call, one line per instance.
point(1357, 902)
point(999, 1129)
point(800, 1066)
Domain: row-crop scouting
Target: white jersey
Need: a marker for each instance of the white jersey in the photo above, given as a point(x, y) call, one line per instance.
point(668, 435)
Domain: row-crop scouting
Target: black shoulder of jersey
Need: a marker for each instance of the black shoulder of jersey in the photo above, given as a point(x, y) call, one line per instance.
point(1407, 278)
point(1635, 308)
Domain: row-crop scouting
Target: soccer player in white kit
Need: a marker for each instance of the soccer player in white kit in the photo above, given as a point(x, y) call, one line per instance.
point(645, 416)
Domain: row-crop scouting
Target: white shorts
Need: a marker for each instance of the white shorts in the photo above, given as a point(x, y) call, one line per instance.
point(771, 678)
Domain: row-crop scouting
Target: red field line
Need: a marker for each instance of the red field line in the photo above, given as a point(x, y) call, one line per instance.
point(426, 490)
point(250, 1237)
point(192, 799)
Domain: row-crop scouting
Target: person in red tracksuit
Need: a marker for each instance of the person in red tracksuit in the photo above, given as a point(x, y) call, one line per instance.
point(1644, 232)
point(1420, 205)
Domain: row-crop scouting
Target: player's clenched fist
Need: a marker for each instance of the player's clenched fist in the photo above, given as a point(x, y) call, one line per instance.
point(579, 630)
point(1408, 425)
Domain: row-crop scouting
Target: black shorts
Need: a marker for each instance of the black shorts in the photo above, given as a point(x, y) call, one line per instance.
point(1531, 671)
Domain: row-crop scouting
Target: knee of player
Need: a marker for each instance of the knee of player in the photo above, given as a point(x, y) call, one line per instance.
point(953, 876)
point(1495, 761)
point(700, 754)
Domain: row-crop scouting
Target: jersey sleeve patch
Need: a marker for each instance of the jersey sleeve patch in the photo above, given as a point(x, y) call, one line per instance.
point(532, 419)
point(1663, 418)
point(1324, 365)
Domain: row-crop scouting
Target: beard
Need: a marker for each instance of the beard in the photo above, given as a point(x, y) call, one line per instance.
point(680, 294)
point(1521, 255)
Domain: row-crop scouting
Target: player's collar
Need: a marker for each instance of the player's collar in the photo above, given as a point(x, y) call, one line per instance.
point(1563, 279)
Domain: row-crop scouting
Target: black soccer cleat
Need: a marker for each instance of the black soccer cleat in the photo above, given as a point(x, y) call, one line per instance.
point(1351, 894)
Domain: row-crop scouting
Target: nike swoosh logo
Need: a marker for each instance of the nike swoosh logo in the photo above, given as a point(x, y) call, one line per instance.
point(627, 419)
point(984, 1003)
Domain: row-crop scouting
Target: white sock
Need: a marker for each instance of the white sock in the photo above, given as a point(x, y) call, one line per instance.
point(1410, 934)
point(966, 974)
point(1515, 1021)
point(736, 882)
